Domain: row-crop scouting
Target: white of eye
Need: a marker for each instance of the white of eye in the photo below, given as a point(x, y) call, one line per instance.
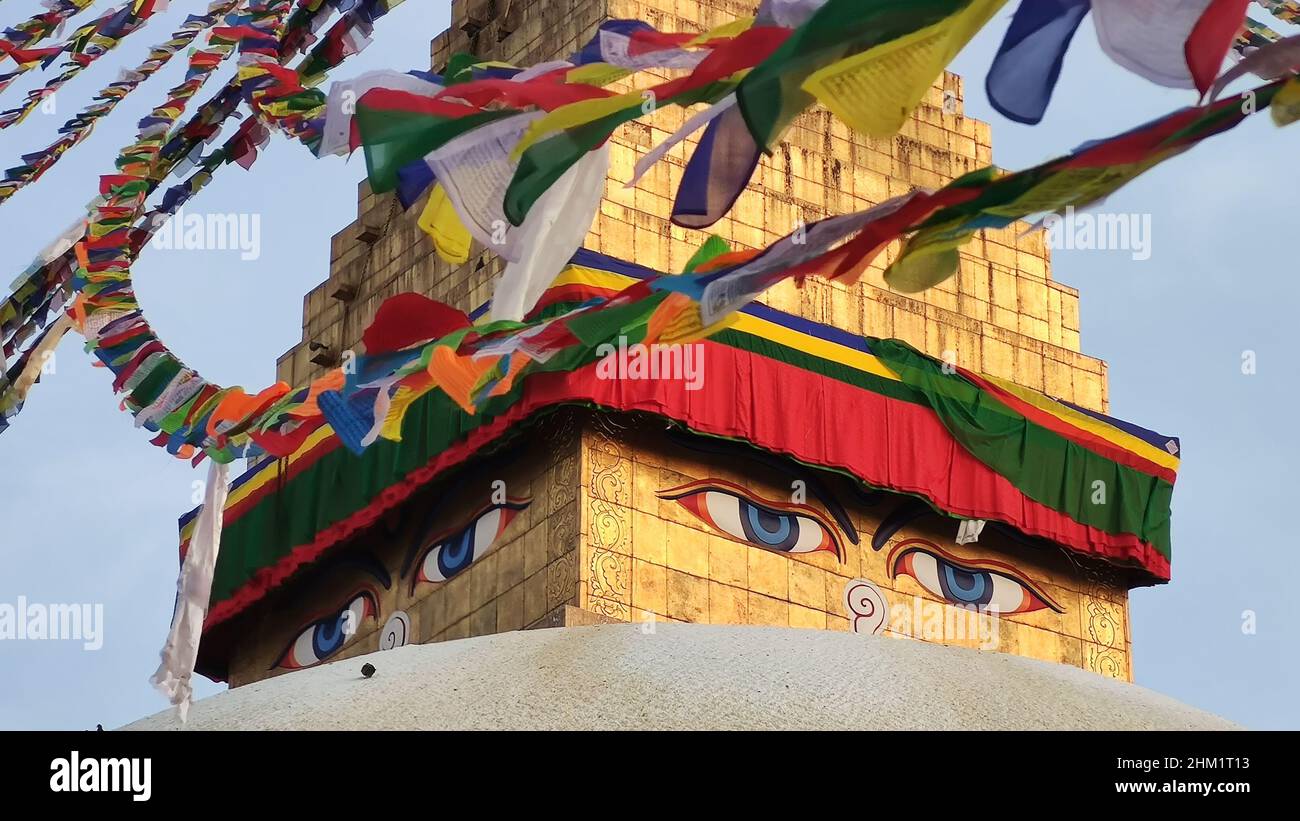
point(724, 509)
point(352, 618)
point(485, 532)
point(430, 570)
point(1009, 595)
point(486, 529)
point(304, 654)
point(926, 571)
point(810, 535)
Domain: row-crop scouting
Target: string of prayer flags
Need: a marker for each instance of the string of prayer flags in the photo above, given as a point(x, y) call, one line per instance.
point(348, 36)
point(191, 415)
point(1090, 174)
point(52, 271)
point(20, 41)
point(1254, 36)
point(1288, 11)
point(1268, 62)
point(91, 42)
point(76, 129)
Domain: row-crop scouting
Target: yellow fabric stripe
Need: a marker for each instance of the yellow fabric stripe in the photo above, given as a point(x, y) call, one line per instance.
point(268, 474)
point(1087, 423)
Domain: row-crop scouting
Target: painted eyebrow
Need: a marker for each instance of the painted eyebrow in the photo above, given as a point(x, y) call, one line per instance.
point(367, 562)
point(810, 481)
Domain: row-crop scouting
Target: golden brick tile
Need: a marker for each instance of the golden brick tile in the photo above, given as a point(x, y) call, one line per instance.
point(877, 319)
point(769, 573)
point(1033, 297)
point(727, 604)
point(535, 597)
point(688, 550)
point(428, 617)
point(1029, 368)
point(483, 621)
point(458, 594)
point(1071, 341)
point(647, 481)
point(459, 630)
point(806, 617)
point(1069, 310)
point(649, 587)
point(728, 561)
point(999, 358)
point(909, 327)
point(807, 585)
point(1039, 644)
point(650, 542)
point(768, 611)
point(1006, 318)
point(510, 609)
point(687, 597)
point(1033, 327)
point(1005, 289)
point(1032, 264)
point(534, 548)
point(1089, 389)
point(838, 624)
point(483, 579)
point(1058, 379)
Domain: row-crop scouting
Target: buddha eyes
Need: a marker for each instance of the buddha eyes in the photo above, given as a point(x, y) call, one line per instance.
point(447, 556)
point(321, 640)
point(735, 512)
point(987, 586)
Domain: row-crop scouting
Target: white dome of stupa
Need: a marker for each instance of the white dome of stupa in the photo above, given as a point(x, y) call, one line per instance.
point(688, 677)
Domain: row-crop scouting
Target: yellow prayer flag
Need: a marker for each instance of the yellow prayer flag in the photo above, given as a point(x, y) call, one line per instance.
point(575, 114)
point(1286, 103)
point(451, 239)
point(876, 91)
point(725, 31)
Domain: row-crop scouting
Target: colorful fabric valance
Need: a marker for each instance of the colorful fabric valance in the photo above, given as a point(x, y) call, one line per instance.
point(877, 410)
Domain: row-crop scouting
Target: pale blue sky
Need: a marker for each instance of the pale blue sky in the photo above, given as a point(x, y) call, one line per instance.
point(90, 507)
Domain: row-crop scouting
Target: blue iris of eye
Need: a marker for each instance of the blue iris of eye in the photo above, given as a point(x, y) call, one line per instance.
point(457, 554)
point(776, 531)
point(965, 586)
point(329, 637)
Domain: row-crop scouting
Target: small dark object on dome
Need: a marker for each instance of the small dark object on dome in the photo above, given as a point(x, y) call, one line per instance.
point(367, 670)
